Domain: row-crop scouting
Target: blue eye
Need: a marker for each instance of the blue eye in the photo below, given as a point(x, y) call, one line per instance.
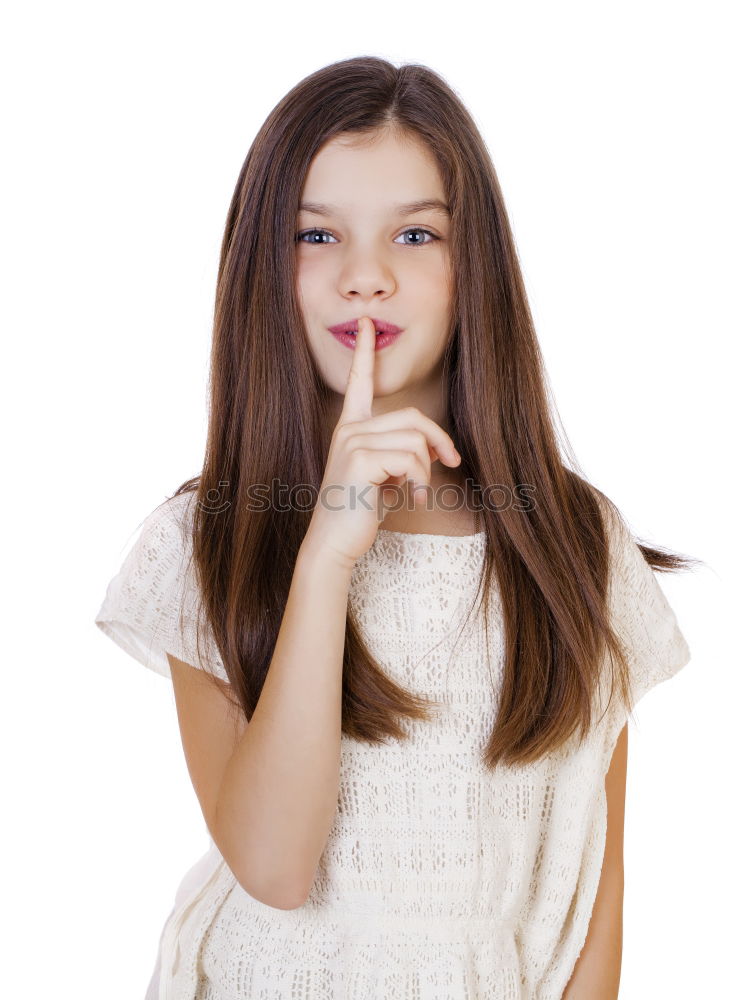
point(311, 232)
point(427, 232)
point(300, 237)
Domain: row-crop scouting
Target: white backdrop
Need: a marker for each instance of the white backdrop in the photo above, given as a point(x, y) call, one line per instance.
point(125, 127)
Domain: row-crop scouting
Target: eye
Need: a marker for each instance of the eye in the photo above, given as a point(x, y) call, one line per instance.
point(301, 236)
point(427, 232)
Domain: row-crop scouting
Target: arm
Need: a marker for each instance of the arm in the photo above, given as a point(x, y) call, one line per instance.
point(279, 792)
point(597, 972)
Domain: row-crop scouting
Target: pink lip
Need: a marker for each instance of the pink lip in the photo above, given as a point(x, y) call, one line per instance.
point(352, 325)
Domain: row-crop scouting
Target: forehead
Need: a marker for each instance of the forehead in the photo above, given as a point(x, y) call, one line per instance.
point(390, 174)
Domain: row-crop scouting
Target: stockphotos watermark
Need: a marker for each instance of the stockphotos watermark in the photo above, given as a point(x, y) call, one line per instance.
point(303, 497)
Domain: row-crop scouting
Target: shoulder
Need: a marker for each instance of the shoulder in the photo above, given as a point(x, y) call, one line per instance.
point(628, 568)
point(640, 611)
point(156, 566)
point(174, 512)
point(168, 528)
point(152, 604)
point(616, 530)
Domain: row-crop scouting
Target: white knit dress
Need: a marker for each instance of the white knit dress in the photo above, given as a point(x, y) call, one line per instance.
point(439, 880)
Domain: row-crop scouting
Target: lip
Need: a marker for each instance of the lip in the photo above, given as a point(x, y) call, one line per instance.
point(351, 326)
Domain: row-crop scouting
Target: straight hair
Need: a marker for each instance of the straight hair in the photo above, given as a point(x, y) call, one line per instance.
point(268, 410)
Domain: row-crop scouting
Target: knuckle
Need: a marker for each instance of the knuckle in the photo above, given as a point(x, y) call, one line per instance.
point(342, 431)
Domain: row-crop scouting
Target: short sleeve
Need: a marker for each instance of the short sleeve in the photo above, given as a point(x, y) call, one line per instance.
point(643, 621)
point(150, 606)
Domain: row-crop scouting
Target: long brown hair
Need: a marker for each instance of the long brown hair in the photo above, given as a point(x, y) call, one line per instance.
point(268, 409)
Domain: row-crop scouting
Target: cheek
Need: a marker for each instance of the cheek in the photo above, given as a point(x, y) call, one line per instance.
point(310, 270)
point(303, 281)
point(432, 276)
point(433, 300)
point(309, 284)
point(307, 301)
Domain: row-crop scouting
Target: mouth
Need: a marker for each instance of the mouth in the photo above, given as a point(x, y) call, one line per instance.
point(352, 325)
point(387, 333)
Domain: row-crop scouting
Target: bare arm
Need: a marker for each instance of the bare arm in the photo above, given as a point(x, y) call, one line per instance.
point(597, 973)
point(279, 791)
point(269, 793)
point(278, 797)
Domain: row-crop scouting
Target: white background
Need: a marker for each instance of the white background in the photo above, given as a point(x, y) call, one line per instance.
point(124, 128)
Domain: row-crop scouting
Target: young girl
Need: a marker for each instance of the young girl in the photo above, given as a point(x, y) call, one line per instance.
point(403, 710)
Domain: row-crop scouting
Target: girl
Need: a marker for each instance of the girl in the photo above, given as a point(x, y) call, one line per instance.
point(403, 710)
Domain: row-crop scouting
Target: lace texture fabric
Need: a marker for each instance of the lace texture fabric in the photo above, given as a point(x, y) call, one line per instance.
point(439, 880)
point(150, 606)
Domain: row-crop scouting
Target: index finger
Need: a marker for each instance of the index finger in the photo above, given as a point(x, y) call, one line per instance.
point(360, 384)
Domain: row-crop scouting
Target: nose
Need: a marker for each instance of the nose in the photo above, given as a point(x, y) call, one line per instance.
point(365, 275)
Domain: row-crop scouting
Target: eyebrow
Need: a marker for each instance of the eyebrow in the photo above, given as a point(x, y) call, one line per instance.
point(410, 208)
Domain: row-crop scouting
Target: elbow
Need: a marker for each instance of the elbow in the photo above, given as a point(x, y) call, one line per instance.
point(287, 894)
point(274, 896)
point(276, 885)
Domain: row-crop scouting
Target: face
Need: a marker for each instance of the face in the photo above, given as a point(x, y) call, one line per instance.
point(361, 256)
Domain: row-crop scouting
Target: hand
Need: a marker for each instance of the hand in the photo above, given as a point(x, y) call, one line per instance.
point(368, 455)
